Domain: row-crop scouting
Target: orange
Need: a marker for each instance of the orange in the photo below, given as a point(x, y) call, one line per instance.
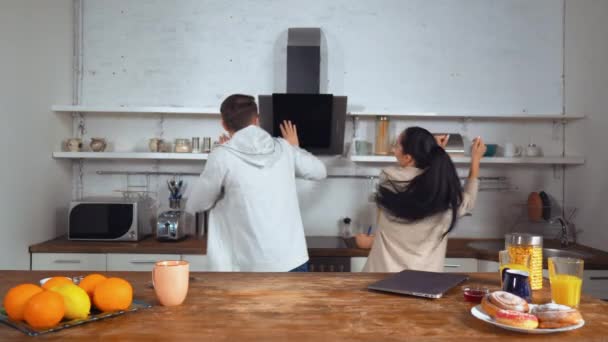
point(89, 283)
point(56, 281)
point(113, 294)
point(16, 299)
point(44, 310)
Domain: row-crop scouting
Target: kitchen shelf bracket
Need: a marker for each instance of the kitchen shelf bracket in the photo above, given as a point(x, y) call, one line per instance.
point(558, 171)
point(80, 180)
point(82, 128)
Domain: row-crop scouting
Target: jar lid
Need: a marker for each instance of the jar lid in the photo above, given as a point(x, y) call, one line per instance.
point(523, 239)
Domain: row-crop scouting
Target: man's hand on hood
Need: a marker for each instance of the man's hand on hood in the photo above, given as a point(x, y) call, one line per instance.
point(290, 133)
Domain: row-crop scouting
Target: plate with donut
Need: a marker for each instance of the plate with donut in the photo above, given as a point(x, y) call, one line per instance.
point(511, 312)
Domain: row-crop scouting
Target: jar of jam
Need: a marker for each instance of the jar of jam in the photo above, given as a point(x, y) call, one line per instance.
point(474, 294)
point(521, 244)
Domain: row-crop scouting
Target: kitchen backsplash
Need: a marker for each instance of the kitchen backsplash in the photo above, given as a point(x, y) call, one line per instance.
point(324, 204)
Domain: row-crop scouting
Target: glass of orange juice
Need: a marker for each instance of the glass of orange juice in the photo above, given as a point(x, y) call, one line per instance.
point(566, 278)
point(507, 260)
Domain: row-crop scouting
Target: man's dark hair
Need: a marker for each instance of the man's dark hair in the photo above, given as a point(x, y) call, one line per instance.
point(238, 110)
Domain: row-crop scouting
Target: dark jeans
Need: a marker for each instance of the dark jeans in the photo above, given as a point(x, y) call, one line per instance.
point(301, 268)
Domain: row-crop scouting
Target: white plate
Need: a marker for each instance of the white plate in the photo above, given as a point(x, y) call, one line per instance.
point(478, 312)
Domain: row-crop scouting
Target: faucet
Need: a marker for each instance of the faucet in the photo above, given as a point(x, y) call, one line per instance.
point(564, 240)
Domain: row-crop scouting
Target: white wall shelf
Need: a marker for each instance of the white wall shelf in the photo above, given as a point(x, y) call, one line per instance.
point(489, 160)
point(502, 117)
point(130, 155)
point(358, 159)
point(143, 110)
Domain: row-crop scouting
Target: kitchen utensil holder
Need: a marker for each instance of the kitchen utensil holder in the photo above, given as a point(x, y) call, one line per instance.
point(175, 204)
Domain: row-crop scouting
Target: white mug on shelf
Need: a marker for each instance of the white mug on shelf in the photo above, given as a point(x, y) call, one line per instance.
point(512, 150)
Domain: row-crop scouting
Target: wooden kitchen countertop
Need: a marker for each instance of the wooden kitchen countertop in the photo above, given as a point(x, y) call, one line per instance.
point(318, 246)
point(300, 307)
point(327, 246)
point(148, 245)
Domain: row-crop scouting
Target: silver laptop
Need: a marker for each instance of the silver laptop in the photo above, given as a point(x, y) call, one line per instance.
point(419, 283)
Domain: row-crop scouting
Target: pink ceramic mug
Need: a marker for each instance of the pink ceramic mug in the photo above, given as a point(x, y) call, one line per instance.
point(170, 280)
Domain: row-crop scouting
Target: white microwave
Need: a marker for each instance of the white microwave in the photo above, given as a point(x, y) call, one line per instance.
point(109, 220)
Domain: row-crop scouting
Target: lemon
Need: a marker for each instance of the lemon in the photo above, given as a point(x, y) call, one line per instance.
point(76, 300)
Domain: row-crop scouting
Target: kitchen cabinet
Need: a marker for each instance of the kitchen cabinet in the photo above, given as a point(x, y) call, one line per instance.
point(198, 263)
point(137, 262)
point(103, 261)
point(595, 283)
point(460, 265)
point(357, 263)
point(487, 266)
point(68, 262)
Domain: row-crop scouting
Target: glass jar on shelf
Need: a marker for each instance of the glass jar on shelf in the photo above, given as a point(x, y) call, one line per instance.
point(383, 142)
point(522, 245)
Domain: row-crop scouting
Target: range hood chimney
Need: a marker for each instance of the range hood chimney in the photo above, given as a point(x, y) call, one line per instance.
point(303, 60)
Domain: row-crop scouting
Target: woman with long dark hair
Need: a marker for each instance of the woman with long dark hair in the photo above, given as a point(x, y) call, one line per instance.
point(419, 202)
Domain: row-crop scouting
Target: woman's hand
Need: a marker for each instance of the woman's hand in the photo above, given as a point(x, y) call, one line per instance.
point(478, 149)
point(290, 133)
point(442, 140)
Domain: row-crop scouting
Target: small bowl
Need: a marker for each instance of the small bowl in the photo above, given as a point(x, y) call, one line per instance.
point(364, 241)
point(474, 294)
point(75, 280)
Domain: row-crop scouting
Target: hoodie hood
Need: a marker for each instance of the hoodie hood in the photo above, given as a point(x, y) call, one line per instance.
point(397, 178)
point(254, 146)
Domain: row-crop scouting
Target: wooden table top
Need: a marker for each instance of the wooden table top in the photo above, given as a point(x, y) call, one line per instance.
point(300, 307)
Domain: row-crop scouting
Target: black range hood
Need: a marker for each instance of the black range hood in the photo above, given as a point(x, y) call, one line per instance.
point(319, 117)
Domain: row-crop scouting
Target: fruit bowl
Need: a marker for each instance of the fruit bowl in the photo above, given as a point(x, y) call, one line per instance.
point(63, 302)
point(75, 280)
point(94, 316)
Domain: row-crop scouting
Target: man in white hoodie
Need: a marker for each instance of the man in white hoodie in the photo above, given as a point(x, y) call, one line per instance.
point(249, 185)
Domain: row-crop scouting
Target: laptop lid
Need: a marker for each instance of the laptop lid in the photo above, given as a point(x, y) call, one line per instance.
point(419, 283)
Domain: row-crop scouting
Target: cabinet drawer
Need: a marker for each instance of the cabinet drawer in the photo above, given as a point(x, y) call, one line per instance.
point(68, 262)
point(137, 262)
point(466, 265)
point(198, 263)
point(595, 283)
point(487, 266)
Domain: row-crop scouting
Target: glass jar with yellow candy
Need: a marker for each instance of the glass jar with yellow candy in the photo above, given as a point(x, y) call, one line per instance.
point(520, 245)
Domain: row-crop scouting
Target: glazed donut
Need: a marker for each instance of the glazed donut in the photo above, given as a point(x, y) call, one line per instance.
point(501, 300)
point(551, 316)
point(516, 319)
